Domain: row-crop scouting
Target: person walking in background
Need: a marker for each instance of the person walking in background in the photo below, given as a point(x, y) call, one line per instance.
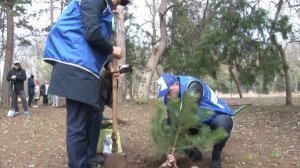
point(17, 76)
point(55, 100)
point(36, 93)
point(78, 46)
point(44, 93)
point(30, 89)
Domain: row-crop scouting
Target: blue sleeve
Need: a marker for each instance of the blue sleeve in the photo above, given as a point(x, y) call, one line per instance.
point(91, 13)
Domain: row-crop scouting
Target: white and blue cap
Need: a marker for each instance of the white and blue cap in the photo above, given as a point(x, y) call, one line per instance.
point(16, 62)
point(164, 83)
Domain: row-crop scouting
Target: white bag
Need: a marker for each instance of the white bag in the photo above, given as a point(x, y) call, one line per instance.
point(107, 144)
point(11, 113)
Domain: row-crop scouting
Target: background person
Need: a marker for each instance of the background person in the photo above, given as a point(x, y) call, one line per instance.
point(36, 93)
point(30, 89)
point(44, 92)
point(55, 100)
point(17, 76)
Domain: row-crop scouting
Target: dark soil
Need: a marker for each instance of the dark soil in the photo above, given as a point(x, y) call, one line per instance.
point(266, 134)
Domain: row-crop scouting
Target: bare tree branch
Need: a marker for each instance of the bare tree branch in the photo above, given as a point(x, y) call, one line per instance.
point(170, 7)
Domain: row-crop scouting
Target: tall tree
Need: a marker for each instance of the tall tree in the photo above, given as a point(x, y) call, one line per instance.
point(2, 28)
point(280, 24)
point(9, 6)
point(5, 96)
point(157, 48)
point(120, 41)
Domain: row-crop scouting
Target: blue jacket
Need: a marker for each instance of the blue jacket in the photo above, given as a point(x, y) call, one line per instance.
point(30, 86)
point(208, 99)
point(74, 43)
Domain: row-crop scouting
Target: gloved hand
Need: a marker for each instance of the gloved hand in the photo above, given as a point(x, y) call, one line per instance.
point(105, 73)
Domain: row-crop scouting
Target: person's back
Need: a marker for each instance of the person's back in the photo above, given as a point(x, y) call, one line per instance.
point(78, 46)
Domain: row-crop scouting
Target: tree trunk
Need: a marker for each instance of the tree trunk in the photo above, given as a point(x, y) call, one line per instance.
point(2, 18)
point(120, 41)
point(144, 86)
point(51, 13)
point(5, 93)
point(288, 89)
point(236, 82)
point(159, 70)
point(275, 45)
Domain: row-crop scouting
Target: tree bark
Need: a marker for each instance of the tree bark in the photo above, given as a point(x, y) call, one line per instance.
point(2, 18)
point(288, 88)
point(236, 82)
point(120, 41)
point(276, 46)
point(5, 93)
point(144, 86)
point(159, 70)
point(51, 13)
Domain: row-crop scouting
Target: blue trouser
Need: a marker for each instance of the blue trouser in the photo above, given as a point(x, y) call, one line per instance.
point(82, 133)
point(96, 127)
point(218, 121)
point(223, 121)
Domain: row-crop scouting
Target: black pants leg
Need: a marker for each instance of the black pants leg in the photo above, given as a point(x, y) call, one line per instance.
point(30, 100)
point(23, 99)
point(225, 122)
point(12, 99)
point(94, 135)
point(79, 129)
point(15, 100)
point(45, 100)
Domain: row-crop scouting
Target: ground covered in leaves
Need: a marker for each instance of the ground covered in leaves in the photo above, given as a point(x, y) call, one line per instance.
point(266, 134)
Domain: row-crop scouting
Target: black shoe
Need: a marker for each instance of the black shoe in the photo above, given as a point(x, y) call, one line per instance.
point(194, 154)
point(216, 163)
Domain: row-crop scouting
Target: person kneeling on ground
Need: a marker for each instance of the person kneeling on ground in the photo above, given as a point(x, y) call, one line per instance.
point(176, 86)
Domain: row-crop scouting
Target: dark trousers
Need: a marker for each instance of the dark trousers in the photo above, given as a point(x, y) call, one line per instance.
point(219, 121)
point(30, 100)
point(82, 133)
point(45, 100)
point(96, 127)
point(12, 100)
point(223, 121)
point(22, 95)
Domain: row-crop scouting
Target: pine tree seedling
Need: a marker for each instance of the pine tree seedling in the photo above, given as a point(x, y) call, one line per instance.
point(171, 127)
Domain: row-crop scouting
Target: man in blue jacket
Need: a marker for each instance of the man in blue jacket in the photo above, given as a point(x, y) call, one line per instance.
point(176, 86)
point(78, 46)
